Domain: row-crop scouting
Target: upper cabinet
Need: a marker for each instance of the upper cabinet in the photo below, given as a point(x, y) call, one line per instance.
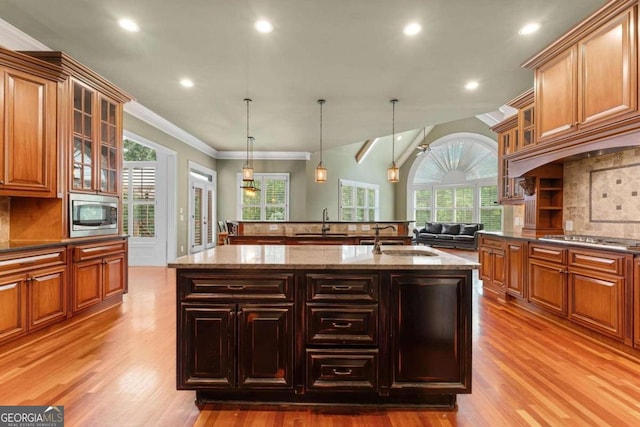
point(90, 126)
point(97, 130)
point(586, 82)
point(28, 143)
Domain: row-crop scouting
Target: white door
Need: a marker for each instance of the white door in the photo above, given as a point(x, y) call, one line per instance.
point(201, 216)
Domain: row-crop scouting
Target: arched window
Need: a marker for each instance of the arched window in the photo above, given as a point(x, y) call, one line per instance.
point(455, 179)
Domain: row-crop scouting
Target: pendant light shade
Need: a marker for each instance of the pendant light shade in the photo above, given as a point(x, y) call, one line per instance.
point(321, 171)
point(393, 172)
point(247, 169)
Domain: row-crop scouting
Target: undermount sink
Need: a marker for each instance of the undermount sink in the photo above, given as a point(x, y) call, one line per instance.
point(408, 252)
point(320, 234)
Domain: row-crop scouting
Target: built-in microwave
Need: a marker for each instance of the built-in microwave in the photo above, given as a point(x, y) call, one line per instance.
point(92, 215)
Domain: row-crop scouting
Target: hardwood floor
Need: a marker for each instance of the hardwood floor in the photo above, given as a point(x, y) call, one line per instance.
point(118, 369)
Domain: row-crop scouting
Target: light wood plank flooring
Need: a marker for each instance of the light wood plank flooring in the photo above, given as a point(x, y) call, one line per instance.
point(118, 369)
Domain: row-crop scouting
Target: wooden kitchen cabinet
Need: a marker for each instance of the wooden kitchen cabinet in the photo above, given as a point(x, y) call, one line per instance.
point(516, 265)
point(547, 278)
point(96, 152)
point(342, 327)
point(99, 272)
point(13, 307)
point(491, 253)
point(33, 291)
point(597, 291)
point(636, 301)
point(237, 345)
point(428, 341)
point(28, 143)
point(591, 83)
point(509, 190)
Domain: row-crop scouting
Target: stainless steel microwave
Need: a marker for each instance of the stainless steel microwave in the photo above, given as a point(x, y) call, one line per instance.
point(92, 215)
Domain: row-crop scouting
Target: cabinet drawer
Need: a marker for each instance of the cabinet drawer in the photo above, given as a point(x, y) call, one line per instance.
point(548, 253)
point(599, 261)
point(236, 286)
point(32, 259)
point(342, 370)
point(342, 325)
point(342, 287)
point(83, 252)
point(493, 242)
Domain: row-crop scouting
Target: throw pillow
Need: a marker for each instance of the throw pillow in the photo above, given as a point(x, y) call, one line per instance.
point(468, 230)
point(450, 228)
point(434, 227)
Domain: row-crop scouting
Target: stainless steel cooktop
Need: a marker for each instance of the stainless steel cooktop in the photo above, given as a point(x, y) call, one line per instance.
point(594, 241)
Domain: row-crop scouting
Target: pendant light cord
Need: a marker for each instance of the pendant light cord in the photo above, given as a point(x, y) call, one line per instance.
point(393, 131)
point(321, 101)
point(247, 100)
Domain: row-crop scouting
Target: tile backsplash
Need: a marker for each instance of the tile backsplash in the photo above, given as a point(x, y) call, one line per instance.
point(601, 195)
point(4, 219)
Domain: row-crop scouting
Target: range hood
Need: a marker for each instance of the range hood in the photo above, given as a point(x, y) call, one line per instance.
point(522, 162)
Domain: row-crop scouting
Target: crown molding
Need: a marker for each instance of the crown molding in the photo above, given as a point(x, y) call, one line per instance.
point(265, 155)
point(14, 39)
point(141, 112)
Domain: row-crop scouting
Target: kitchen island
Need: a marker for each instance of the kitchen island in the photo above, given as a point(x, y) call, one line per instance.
point(324, 324)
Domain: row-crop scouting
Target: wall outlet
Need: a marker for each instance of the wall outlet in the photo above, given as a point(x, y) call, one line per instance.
point(568, 225)
point(181, 249)
point(366, 227)
point(353, 227)
point(273, 227)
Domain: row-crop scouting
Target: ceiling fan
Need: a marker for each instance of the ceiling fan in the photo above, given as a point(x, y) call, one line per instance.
point(422, 148)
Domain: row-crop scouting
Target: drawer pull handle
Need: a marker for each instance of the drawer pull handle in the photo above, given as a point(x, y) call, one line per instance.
point(343, 325)
point(341, 371)
point(236, 287)
point(341, 288)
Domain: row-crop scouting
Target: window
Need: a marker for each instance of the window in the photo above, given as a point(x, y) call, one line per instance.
point(456, 181)
point(139, 200)
point(358, 201)
point(490, 213)
point(422, 202)
point(269, 203)
point(139, 190)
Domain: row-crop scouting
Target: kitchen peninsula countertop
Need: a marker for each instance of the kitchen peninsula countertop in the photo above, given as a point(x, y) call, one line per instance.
point(260, 257)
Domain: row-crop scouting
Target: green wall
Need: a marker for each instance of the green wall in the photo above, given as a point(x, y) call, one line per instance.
point(228, 186)
point(184, 154)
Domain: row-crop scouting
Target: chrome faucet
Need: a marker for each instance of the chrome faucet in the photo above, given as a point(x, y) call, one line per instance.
point(325, 218)
point(376, 240)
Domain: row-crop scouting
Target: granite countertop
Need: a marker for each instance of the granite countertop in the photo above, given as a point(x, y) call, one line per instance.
point(9, 246)
point(260, 257)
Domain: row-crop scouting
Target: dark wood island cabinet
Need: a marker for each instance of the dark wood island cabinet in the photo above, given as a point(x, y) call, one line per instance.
point(324, 324)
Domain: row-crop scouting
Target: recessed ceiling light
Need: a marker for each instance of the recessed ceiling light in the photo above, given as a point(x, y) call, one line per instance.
point(529, 28)
point(472, 85)
point(186, 82)
point(129, 25)
point(399, 137)
point(412, 29)
point(264, 26)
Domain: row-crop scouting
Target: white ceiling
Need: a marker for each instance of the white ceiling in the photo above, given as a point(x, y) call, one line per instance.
point(350, 52)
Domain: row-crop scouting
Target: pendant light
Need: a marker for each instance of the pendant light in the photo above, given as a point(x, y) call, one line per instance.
point(321, 171)
point(393, 172)
point(248, 184)
point(247, 169)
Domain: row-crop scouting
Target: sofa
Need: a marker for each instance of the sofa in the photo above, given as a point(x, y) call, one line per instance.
point(449, 235)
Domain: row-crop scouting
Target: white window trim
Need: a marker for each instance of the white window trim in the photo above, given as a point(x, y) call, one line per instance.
point(358, 184)
point(263, 205)
point(206, 184)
